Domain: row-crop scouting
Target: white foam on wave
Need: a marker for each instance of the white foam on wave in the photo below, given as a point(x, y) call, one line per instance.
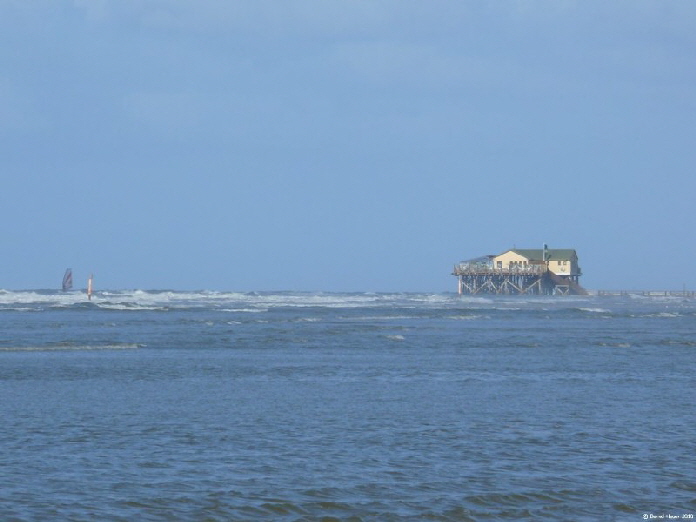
point(240, 302)
point(595, 310)
point(664, 314)
point(245, 310)
point(71, 347)
point(130, 306)
point(371, 318)
point(473, 317)
point(28, 297)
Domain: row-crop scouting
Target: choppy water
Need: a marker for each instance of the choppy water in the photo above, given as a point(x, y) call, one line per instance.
point(289, 406)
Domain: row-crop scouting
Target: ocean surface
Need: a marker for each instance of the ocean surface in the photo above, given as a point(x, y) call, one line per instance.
point(165, 405)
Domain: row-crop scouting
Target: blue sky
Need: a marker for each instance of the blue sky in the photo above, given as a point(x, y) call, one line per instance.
point(356, 145)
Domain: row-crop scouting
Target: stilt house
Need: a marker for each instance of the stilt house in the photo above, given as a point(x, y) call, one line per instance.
point(542, 271)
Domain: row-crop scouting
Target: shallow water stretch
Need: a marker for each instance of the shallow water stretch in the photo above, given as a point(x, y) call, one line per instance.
point(164, 405)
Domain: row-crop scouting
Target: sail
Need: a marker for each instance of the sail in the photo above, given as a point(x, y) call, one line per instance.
point(89, 287)
point(67, 280)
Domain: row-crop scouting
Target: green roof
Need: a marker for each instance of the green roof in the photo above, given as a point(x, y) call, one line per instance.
point(537, 254)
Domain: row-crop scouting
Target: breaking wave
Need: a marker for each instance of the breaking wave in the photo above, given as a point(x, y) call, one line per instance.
point(62, 347)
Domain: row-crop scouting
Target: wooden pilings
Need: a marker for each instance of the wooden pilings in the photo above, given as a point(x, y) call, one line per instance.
point(534, 279)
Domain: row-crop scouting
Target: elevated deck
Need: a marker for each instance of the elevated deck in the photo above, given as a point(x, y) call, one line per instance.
point(531, 279)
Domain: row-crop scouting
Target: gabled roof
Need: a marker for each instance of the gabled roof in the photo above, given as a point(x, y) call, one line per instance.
point(537, 254)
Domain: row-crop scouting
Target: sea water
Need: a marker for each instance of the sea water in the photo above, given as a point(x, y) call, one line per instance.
point(143, 405)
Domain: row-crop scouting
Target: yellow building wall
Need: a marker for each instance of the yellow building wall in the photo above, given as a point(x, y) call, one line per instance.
point(509, 259)
point(565, 266)
point(561, 267)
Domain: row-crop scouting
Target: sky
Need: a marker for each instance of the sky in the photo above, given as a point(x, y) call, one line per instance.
point(356, 145)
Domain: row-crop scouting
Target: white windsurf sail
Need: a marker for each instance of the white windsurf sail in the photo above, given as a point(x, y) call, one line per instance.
point(89, 287)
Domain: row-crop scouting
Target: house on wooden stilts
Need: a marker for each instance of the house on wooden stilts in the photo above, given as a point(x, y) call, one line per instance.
point(541, 271)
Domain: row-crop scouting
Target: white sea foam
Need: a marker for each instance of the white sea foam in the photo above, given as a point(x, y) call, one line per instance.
point(595, 310)
point(129, 305)
point(134, 300)
point(254, 302)
point(71, 347)
point(244, 310)
point(371, 318)
point(664, 314)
